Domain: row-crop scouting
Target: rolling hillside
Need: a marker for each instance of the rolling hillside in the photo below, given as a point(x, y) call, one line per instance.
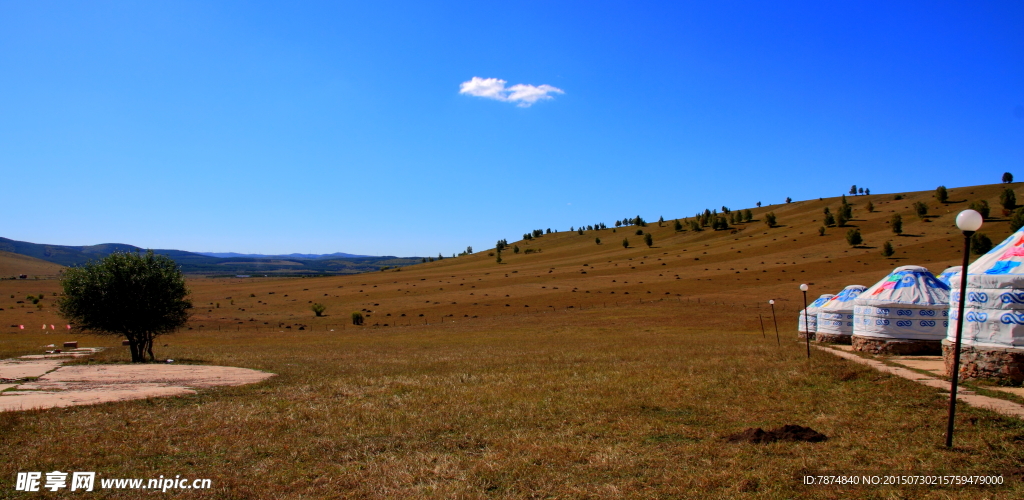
point(13, 265)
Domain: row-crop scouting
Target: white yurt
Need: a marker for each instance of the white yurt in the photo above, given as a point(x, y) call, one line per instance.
point(811, 317)
point(905, 313)
point(993, 333)
point(835, 318)
point(945, 275)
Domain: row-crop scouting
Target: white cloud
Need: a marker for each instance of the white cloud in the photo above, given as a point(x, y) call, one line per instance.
point(494, 88)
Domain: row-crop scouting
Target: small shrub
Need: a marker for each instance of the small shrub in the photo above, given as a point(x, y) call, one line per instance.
point(789, 200)
point(318, 309)
point(921, 209)
point(1008, 199)
point(870, 206)
point(841, 219)
point(252, 295)
point(1017, 219)
point(678, 226)
point(515, 249)
point(980, 244)
point(648, 239)
point(898, 197)
point(853, 237)
point(981, 206)
point(830, 220)
point(625, 243)
point(941, 195)
point(887, 250)
point(896, 224)
point(769, 219)
point(597, 240)
point(357, 318)
point(639, 232)
point(821, 231)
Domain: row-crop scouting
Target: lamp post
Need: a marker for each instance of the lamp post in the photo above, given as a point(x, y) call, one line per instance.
point(772, 303)
point(968, 221)
point(807, 326)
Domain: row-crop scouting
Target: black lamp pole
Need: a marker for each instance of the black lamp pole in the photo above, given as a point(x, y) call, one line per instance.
point(772, 303)
point(959, 333)
point(807, 326)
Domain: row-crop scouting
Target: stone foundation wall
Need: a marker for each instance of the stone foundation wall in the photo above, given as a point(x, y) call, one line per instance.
point(1000, 364)
point(832, 338)
point(803, 335)
point(898, 347)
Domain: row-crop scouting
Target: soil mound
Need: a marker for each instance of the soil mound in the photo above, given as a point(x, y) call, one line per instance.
point(784, 433)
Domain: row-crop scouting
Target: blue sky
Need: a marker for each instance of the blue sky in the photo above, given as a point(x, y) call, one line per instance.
point(316, 127)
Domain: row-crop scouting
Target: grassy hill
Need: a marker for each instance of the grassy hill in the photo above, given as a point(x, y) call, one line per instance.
point(578, 370)
point(13, 265)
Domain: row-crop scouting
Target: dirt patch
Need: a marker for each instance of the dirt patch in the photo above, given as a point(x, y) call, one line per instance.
point(784, 433)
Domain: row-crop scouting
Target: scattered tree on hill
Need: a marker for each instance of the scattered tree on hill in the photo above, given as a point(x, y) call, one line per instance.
point(896, 224)
point(661, 221)
point(618, 223)
point(845, 209)
point(941, 195)
point(980, 244)
point(424, 259)
point(870, 206)
point(841, 219)
point(1017, 219)
point(897, 197)
point(549, 230)
point(469, 250)
point(830, 220)
point(357, 318)
point(853, 237)
point(580, 230)
point(597, 240)
point(318, 309)
point(853, 189)
point(130, 295)
point(788, 199)
point(430, 259)
point(921, 209)
point(747, 215)
point(439, 256)
point(515, 249)
point(1007, 177)
point(678, 226)
point(861, 190)
point(639, 232)
point(648, 239)
point(625, 243)
point(694, 226)
point(759, 204)
point(1008, 199)
point(887, 250)
point(867, 191)
point(639, 221)
point(498, 258)
point(981, 206)
point(769, 219)
point(821, 231)
point(501, 245)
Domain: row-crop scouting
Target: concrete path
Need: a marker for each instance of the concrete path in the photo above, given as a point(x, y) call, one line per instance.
point(38, 382)
point(935, 365)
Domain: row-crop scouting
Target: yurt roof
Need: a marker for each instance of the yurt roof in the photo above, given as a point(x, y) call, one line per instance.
point(843, 300)
point(820, 301)
point(907, 285)
point(999, 268)
point(949, 272)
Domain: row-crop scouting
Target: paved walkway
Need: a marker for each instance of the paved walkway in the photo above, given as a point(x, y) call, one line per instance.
point(40, 381)
point(933, 364)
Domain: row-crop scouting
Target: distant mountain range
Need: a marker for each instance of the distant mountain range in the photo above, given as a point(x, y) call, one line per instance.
point(311, 256)
point(215, 263)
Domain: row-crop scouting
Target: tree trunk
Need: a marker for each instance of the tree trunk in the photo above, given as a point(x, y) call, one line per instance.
point(149, 348)
point(136, 349)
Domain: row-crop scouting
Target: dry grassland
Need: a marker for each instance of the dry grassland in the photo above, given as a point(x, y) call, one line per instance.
point(581, 371)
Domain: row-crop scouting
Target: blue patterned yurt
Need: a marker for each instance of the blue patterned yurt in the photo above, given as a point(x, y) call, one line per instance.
point(811, 315)
point(835, 318)
point(905, 313)
point(948, 273)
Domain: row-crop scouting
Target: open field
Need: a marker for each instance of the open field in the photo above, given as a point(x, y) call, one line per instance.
point(576, 371)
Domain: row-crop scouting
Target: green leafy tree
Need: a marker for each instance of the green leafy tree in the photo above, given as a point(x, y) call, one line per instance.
point(695, 226)
point(980, 244)
point(853, 237)
point(845, 209)
point(1017, 219)
point(887, 250)
point(130, 295)
point(789, 200)
point(921, 209)
point(853, 189)
point(861, 190)
point(896, 224)
point(1007, 177)
point(941, 195)
point(769, 219)
point(841, 219)
point(1008, 199)
point(678, 226)
point(625, 243)
point(318, 309)
point(515, 249)
point(981, 206)
point(748, 215)
point(648, 239)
